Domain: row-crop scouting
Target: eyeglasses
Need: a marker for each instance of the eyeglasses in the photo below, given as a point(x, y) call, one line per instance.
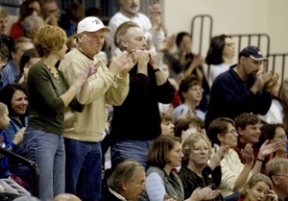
point(53, 11)
point(281, 175)
point(200, 149)
point(284, 137)
point(93, 36)
point(196, 89)
point(142, 183)
point(230, 44)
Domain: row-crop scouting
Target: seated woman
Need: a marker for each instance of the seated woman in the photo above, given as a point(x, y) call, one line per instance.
point(15, 97)
point(222, 131)
point(220, 54)
point(195, 172)
point(167, 127)
point(258, 188)
point(273, 133)
point(163, 157)
point(6, 181)
point(190, 93)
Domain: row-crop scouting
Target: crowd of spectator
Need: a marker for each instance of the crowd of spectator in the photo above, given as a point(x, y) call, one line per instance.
point(125, 111)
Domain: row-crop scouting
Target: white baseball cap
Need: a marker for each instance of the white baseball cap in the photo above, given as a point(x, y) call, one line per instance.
point(91, 24)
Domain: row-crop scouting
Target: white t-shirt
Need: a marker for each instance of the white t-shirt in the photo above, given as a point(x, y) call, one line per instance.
point(142, 21)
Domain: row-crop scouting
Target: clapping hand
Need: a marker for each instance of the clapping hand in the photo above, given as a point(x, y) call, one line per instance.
point(218, 156)
point(89, 70)
point(261, 81)
point(120, 63)
point(267, 149)
point(205, 193)
point(130, 63)
point(247, 154)
point(142, 58)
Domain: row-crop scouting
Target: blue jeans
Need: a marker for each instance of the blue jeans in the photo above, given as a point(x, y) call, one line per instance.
point(83, 169)
point(130, 149)
point(47, 151)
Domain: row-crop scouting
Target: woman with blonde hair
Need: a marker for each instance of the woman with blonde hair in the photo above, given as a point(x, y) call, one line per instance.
point(258, 188)
point(48, 95)
point(195, 171)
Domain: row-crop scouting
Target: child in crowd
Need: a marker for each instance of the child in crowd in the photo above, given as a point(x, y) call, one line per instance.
point(258, 188)
point(10, 186)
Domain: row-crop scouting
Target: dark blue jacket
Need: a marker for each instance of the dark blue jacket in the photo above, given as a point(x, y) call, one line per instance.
point(231, 96)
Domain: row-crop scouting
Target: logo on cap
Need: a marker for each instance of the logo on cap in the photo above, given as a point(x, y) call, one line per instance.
point(96, 21)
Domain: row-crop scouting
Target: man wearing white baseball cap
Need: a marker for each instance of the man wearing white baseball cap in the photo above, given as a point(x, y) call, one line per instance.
point(84, 130)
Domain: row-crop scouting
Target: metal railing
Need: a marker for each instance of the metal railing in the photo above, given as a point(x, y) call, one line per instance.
point(201, 34)
point(260, 40)
point(27, 163)
point(276, 60)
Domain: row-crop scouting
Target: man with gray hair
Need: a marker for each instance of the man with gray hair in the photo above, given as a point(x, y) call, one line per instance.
point(84, 132)
point(31, 24)
point(136, 123)
point(276, 170)
point(127, 182)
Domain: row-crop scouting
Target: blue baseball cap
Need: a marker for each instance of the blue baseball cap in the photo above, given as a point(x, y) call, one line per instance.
point(252, 52)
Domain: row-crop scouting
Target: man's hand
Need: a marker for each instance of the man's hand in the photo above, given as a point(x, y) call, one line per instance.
point(142, 57)
point(153, 59)
point(267, 149)
point(261, 81)
point(247, 154)
point(89, 70)
point(131, 62)
point(118, 63)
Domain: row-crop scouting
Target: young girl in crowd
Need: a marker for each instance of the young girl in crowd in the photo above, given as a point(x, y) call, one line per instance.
point(258, 188)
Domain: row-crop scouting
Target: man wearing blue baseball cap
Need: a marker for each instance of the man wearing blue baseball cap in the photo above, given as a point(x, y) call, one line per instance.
point(242, 88)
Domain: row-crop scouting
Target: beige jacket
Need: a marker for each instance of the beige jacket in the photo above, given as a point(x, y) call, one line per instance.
point(103, 88)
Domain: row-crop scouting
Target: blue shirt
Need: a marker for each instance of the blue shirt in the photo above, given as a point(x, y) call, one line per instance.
point(4, 170)
point(13, 128)
point(230, 96)
point(9, 74)
point(185, 109)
